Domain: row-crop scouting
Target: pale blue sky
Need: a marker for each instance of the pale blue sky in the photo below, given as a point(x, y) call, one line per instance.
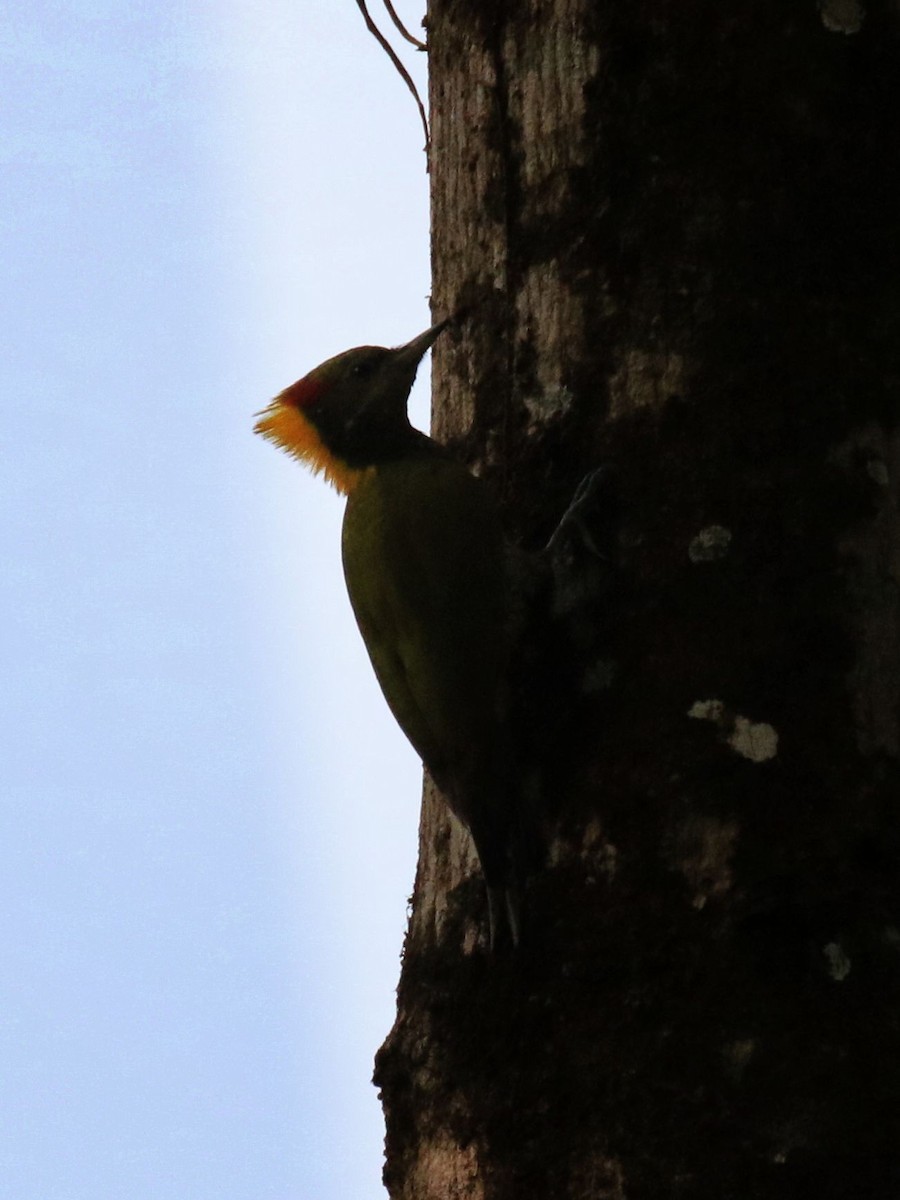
point(207, 818)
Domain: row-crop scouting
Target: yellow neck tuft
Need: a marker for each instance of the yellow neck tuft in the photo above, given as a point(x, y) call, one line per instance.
point(284, 424)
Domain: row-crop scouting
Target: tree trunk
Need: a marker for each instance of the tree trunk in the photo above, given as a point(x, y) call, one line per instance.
point(680, 227)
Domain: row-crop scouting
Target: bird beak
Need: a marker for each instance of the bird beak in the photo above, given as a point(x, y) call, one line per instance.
point(413, 351)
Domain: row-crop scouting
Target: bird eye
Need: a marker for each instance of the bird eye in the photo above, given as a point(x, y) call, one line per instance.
point(363, 368)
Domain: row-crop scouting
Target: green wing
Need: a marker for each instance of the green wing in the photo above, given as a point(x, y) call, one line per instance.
point(424, 564)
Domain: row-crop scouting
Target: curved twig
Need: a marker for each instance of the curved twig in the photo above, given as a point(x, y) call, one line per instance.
point(404, 31)
point(404, 74)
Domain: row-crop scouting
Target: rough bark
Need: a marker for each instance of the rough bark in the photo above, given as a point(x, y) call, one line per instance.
point(681, 226)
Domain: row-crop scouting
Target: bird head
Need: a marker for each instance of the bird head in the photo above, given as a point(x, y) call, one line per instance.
point(349, 413)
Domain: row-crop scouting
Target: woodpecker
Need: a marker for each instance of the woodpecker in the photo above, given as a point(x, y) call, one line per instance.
point(424, 563)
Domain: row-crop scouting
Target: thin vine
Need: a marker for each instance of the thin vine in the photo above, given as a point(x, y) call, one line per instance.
point(391, 53)
point(392, 13)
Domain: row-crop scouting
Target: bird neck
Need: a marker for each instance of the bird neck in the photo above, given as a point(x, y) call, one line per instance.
point(343, 452)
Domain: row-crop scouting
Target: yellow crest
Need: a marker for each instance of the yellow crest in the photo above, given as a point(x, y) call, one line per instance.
point(285, 424)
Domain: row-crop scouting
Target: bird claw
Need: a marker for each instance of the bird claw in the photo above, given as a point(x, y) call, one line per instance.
point(596, 485)
point(503, 911)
